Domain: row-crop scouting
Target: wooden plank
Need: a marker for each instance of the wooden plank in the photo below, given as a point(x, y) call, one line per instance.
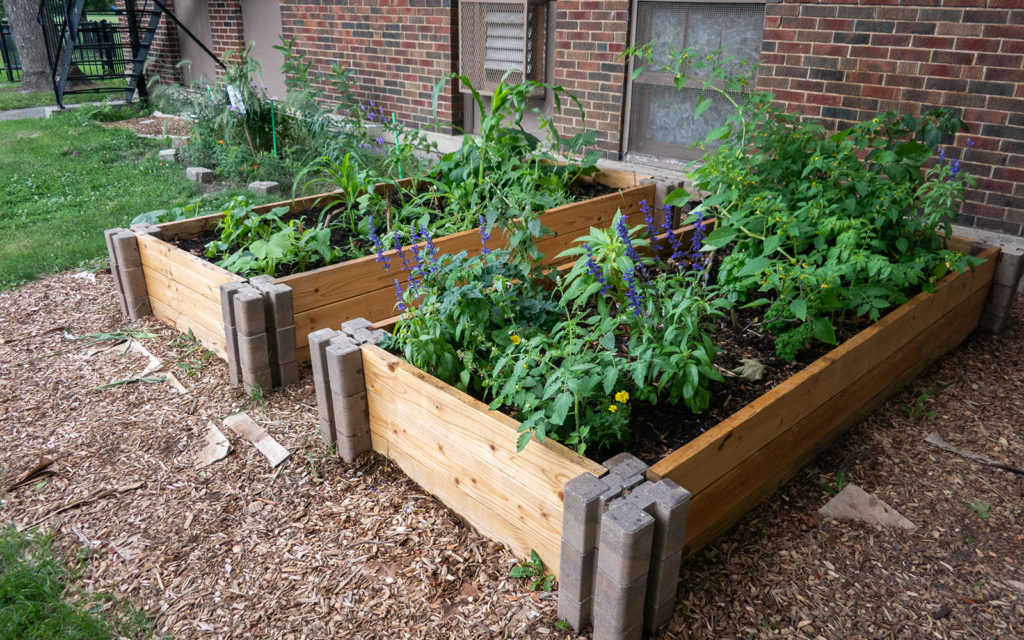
point(374, 306)
point(212, 340)
point(619, 179)
point(184, 268)
point(188, 302)
point(190, 227)
point(730, 441)
point(716, 508)
point(465, 449)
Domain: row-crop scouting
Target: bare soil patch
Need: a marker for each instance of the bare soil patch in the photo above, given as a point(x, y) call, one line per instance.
point(322, 549)
point(154, 125)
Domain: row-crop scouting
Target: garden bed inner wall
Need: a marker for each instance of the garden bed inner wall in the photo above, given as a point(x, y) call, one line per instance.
point(456, 449)
point(184, 289)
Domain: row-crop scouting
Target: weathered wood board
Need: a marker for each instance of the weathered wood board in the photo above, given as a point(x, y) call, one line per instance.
point(458, 450)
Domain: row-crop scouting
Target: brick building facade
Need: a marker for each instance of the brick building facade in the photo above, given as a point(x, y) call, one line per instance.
point(840, 61)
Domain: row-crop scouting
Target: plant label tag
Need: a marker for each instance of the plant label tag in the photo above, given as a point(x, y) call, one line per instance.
point(235, 98)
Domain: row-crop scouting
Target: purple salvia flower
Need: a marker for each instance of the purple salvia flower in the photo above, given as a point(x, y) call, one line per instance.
point(594, 270)
point(636, 302)
point(970, 142)
point(485, 235)
point(379, 246)
point(954, 168)
point(652, 231)
point(620, 228)
point(942, 155)
point(673, 239)
point(697, 241)
point(398, 296)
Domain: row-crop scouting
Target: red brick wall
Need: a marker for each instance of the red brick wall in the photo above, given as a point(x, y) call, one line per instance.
point(163, 53)
point(590, 35)
point(844, 62)
point(226, 27)
point(397, 50)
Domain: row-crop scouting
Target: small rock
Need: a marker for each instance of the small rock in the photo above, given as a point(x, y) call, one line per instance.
point(853, 503)
point(168, 155)
point(254, 507)
point(264, 187)
point(199, 175)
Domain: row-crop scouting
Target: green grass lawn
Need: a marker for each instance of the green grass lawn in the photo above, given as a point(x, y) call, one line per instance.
point(63, 182)
point(11, 98)
point(36, 601)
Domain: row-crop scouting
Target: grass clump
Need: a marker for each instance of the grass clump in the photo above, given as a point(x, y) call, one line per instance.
point(38, 602)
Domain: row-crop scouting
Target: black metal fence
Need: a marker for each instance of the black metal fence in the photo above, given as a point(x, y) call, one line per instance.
point(8, 54)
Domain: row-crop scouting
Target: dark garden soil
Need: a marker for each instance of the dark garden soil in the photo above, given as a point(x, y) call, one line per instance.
point(318, 548)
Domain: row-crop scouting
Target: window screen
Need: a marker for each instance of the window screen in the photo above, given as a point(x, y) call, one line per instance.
point(661, 122)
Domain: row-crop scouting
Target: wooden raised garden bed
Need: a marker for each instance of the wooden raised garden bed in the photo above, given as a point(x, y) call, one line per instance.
point(185, 291)
point(458, 450)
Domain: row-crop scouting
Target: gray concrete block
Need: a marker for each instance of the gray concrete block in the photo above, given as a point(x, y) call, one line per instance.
point(254, 353)
point(136, 296)
point(627, 534)
point(576, 612)
point(289, 372)
point(1008, 269)
point(662, 584)
point(250, 317)
point(626, 465)
point(636, 632)
point(264, 187)
point(284, 345)
point(261, 279)
point(657, 617)
point(280, 309)
point(351, 447)
point(576, 571)
point(115, 271)
point(126, 247)
point(345, 368)
point(351, 415)
point(318, 343)
point(252, 379)
point(1000, 297)
point(362, 336)
point(377, 335)
point(138, 307)
point(168, 155)
point(581, 510)
point(227, 307)
point(669, 504)
point(618, 608)
point(616, 485)
point(199, 175)
point(353, 325)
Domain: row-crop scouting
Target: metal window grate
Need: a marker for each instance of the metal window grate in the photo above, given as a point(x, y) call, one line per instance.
point(661, 122)
point(496, 38)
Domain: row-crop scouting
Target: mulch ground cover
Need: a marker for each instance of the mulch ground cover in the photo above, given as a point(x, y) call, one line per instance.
point(322, 549)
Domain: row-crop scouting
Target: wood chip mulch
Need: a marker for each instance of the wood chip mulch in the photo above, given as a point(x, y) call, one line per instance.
point(321, 549)
point(154, 125)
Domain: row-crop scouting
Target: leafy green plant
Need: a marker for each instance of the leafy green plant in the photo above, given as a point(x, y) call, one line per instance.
point(837, 486)
point(533, 570)
point(821, 227)
point(980, 509)
point(916, 411)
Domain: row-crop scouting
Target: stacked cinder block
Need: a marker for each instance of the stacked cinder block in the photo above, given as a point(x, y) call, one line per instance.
point(126, 268)
point(342, 411)
point(259, 330)
point(1005, 282)
point(622, 542)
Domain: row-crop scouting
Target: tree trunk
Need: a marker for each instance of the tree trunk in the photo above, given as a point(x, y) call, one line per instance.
point(28, 39)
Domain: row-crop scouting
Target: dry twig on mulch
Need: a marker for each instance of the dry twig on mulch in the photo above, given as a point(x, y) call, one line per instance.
point(320, 549)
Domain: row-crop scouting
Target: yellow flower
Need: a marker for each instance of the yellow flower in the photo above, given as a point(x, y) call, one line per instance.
point(622, 396)
point(514, 339)
point(613, 408)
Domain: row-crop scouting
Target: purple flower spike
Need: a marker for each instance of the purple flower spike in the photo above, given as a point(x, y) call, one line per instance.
point(636, 302)
point(485, 235)
point(594, 270)
point(620, 228)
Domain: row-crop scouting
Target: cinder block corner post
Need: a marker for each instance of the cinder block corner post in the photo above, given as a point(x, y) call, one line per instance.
point(253, 347)
point(337, 359)
point(128, 262)
point(1005, 283)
